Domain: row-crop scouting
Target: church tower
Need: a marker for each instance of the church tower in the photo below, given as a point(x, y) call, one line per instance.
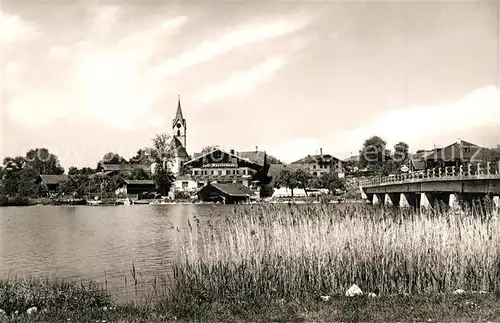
point(179, 125)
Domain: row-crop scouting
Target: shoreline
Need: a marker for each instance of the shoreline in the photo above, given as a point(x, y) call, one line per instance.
point(118, 202)
point(86, 302)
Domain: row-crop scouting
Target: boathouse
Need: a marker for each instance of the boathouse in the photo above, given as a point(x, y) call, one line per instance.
point(51, 181)
point(136, 187)
point(227, 193)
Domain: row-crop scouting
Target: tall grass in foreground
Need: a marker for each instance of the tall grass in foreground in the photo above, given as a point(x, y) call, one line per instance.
point(299, 253)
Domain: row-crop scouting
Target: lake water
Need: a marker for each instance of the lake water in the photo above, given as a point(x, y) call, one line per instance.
point(98, 243)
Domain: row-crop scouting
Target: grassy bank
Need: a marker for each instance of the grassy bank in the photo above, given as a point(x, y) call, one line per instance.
point(274, 263)
point(77, 302)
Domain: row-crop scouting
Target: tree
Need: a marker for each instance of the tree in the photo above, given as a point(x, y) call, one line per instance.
point(77, 184)
point(374, 155)
point(331, 181)
point(141, 157)
point(17, 179)
point(110, 158)
point(139, 174)
point(43, 162)
point(162, 155)
point(72, 170)
point(82, 171)
point(285, 178)
point(273, 160)
point(401, 156)
point(302, 178)
point(113, 158)
point(292, 179)
point(401, 152)
point(209, 149)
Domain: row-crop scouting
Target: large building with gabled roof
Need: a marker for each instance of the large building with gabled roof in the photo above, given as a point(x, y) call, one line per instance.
point(317, 165)
point(248, 168)
point(458, 153)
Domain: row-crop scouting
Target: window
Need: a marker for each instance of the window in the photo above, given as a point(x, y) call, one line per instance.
point(185, 185)
point(314, 166)
point(178, 132)
point(201, 184)
point(466, 149)
point(314, 173)
point(244, 172)
point(211, 172)
point(220, 173)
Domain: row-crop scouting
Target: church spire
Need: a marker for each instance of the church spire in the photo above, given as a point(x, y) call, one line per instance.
point(178, 115)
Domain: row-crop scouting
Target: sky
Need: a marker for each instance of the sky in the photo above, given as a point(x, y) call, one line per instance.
point(83, 78)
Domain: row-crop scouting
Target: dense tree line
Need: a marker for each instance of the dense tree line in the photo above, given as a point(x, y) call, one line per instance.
point(18, 175)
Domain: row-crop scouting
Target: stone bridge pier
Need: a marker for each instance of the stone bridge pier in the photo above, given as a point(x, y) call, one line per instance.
point(434, 191)
point(432, 200)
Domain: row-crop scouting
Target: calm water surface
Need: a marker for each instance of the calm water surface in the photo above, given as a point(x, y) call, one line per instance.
point(99, 243)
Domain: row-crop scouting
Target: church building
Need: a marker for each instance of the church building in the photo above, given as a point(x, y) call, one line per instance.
point(178, 142)
point(244, 168)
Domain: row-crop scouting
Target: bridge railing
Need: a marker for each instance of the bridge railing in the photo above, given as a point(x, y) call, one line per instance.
point(477, 171)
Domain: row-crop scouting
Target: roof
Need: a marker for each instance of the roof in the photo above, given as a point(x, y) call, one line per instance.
point(184, 178)
point(315, 159)
point(124, 167)
point(178, 114)
point(53, 179)
point(232, 189)
point(354, 158)
point(179, 148)
point(139, 182)
point(418, 164)
point(454, 151)
point(418, 159)
point(112, 167)
point(254, 157)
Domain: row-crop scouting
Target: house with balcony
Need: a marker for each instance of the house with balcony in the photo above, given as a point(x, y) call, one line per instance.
point(318, 165)
point(458, 153)
point(247, 168)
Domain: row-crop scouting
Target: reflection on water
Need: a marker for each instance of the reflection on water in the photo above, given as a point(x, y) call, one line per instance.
point(99, 243)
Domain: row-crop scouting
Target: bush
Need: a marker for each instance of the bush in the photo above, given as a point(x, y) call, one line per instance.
point(14, 201)
point(182, 195)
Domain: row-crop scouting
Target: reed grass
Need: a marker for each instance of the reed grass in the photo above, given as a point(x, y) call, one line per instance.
point(272, 263)
point(297, 253)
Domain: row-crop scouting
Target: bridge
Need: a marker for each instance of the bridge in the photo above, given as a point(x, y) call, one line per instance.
point(449, 185)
